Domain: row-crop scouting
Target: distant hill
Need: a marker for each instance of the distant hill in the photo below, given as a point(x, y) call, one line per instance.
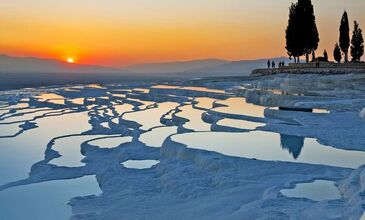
point(198, 68)
point(241, 67)
point(174, 67)
point(16, 72)
point(201, 68)
point(10, 64)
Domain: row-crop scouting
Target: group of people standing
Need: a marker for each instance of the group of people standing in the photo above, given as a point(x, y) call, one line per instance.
point(271, 64)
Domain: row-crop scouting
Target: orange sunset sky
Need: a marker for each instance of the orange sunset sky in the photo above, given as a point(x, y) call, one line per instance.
point(122, 32)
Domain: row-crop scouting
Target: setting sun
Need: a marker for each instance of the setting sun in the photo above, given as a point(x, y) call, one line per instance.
point(70, 60)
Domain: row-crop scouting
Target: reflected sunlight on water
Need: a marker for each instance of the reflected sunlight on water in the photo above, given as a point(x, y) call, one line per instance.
point(239, 106)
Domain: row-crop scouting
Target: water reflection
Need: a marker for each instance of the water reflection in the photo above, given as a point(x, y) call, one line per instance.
point(44, 201)
point(151, 109)
point(51, 98)
point(19, 153)
point(204, 102)
point(157, 136)
point(269, 146)
point(110, 142)
point(203, 89)
point(239, 106)
point(240, 124)
point(70, 151)
point(318, 190)
point(194, 116)
point(140, 164)
point(151, 117)
point(293, 144)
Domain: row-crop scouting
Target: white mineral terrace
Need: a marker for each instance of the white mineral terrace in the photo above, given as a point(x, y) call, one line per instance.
point(220, 149)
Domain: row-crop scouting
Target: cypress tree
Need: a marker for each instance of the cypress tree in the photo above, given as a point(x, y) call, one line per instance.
point(309, 37)
point(293, 34)
point(357, 43)
point(337, 53)
point(345, 35)
point(325, 55)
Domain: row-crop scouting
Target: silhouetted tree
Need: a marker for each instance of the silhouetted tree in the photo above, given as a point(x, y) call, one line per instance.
point(345, 35)
point(325, 55)
point(313, 56)
point(357, 43)
point(309, 32)
point(293, 34)
point(337, 53)
point(301, 34)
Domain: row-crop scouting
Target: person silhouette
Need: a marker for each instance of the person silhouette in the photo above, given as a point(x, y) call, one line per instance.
point(273, 64)
point(283, 64)
point(268, 64)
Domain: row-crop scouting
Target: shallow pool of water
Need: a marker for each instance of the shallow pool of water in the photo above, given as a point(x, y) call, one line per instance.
point(157, 136)
point(239, 106)
point(70, 150)
point(140, 164)
point(271, 146)
point(144, 104)
point(121, 109)
point(194, 116)
point(20, 153)
point(165, 87)
point(45, 201)
point(318, 190)
point(151, 117)
point(202, 89)
point(27, 116)
point(141, 90)
point(241, 124)
point(204, 103)
point(6, 108)
point(9, 130)
point(110, 142)
point(51, 98)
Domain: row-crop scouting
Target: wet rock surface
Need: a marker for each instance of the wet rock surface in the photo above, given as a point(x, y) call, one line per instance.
point(77, 131)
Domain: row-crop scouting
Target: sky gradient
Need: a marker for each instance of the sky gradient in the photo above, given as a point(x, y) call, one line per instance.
point(122, 32)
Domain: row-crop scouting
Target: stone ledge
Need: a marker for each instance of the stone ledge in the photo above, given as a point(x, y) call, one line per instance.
point(309, 69)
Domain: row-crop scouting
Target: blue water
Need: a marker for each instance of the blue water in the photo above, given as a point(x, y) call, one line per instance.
point(175, 113)
point(272, 146)
point(45, 201)
point(318, 190)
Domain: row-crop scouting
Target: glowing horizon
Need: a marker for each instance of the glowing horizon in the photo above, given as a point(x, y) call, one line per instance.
point(117, 33)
